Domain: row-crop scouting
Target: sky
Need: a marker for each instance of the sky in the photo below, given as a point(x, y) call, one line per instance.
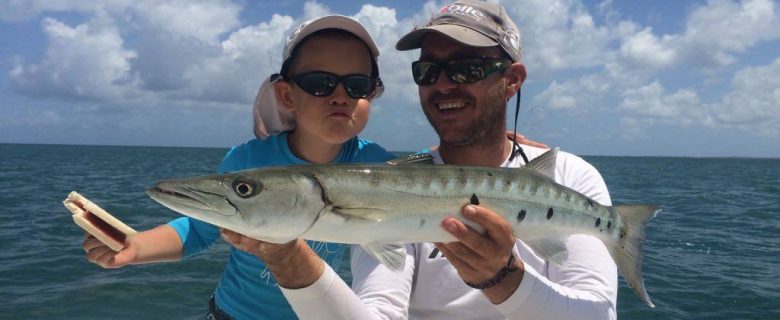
point(626, 78)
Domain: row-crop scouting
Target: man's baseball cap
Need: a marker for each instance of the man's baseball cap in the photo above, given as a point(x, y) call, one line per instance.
point(270, 117)
point(473, 23)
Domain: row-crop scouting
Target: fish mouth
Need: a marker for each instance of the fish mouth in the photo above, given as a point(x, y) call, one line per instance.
point(188, 200)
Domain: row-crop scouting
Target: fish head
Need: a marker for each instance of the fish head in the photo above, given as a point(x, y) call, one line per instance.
point(275, 205)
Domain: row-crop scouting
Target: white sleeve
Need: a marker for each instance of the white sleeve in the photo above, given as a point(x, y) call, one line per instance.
point(379, 293)
point(585, 286)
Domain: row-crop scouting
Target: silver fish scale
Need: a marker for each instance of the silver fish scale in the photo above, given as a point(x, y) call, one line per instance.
point(431, 193)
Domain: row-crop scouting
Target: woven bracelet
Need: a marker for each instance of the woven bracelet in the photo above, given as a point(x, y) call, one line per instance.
point(492, 282)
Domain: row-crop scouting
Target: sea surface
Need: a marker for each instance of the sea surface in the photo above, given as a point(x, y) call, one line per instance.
point(713, 253)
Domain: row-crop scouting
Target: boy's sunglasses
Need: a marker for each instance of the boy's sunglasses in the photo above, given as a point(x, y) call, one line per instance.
point(322, 84)
point(458, 70)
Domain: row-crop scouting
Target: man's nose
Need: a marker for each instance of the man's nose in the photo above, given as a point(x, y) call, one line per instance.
point(443, 83)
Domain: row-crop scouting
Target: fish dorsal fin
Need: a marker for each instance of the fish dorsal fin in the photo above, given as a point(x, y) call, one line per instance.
point(544, 164)
point(392, 255)
point(416, 158)
point(552, 249)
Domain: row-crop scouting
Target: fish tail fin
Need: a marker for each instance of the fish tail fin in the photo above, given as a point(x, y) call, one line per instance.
point(628, 254)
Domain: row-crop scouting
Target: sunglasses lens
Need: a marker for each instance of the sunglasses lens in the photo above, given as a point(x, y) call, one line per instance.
point(358, 87)
point(425, 72)
point(466, 71)
point(458, 70)
point(317, 84)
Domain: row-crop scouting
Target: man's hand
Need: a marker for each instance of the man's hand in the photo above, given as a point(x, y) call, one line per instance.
point(479, 257)
point(99, 253)
point(293, 264)
point(521, 139)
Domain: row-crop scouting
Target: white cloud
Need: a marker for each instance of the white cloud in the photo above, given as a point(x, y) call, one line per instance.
point(722, 28)
point(82, 62)
point(559, 34)
point(179, 53)
point(395, 66)
point(204, 21)
point(681, 107)
point(644, 48)
point(754, 103)
point(243, 60)
point(16, 10)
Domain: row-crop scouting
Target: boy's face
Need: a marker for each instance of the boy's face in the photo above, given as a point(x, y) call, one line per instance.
point(463, 114)
point(336, 118)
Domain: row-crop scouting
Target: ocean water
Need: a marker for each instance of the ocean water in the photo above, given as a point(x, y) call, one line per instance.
point(713, 253)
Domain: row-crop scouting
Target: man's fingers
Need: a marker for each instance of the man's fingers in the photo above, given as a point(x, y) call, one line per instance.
point(496, 226)
point(469, 238)
point(453, 258)
point(465, 253)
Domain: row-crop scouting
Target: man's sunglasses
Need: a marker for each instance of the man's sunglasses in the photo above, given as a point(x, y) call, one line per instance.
point(458, 70)
point(322, 84)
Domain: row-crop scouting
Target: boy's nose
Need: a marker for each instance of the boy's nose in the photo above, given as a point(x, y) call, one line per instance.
point(339, 96)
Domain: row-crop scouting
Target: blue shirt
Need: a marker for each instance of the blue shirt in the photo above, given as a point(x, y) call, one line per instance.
point(247, 290)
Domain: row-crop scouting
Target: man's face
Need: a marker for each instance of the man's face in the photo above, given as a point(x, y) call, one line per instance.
point(463, 114)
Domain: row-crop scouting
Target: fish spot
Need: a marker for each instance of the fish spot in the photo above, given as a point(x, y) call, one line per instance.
point(474, 199)
point(598, 222)
point(609, 225)
point(549, 213)
point(622, 233)
point(590, 202)
point(521, 215)
point(422, 222)
point(490, 174)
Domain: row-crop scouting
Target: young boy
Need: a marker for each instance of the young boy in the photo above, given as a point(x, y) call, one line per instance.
point(311, 112)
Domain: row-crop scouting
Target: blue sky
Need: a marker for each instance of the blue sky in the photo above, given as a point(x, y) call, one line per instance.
point(665, 78)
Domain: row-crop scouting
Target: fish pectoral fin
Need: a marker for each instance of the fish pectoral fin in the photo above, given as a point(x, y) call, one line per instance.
point(392, 255)
point(552, 249)
point(544, 164)
point(416, 158)
point(366, 214)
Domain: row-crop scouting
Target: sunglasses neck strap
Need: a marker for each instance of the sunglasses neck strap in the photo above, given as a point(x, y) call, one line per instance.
point(516, 149)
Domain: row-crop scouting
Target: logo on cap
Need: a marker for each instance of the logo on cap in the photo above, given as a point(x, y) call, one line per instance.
point(512, 38)
point(463, 10)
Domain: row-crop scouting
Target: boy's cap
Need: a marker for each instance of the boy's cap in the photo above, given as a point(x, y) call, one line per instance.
point(473, 23)
point(270, 117)
point(329, 22)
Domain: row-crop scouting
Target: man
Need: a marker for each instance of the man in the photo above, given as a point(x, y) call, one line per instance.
point(469, 68)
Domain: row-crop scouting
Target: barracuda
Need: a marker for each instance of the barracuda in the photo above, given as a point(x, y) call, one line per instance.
point(383, 206)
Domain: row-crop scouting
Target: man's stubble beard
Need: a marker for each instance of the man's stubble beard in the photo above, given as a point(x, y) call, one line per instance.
point(489, 124)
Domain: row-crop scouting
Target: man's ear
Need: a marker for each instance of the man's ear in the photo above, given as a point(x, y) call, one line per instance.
point(515, 76)
point(283, 92)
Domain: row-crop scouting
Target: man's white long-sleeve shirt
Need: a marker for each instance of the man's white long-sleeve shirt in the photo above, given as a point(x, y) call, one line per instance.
point(584, 287)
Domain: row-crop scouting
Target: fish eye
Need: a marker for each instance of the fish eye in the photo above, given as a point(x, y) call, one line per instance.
point(244, 189)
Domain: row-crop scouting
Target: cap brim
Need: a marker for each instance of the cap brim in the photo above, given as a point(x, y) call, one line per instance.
point(461, 34)
point(342, 23)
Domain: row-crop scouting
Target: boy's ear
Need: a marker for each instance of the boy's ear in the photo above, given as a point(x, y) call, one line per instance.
point(283, 92)
point(515, 75)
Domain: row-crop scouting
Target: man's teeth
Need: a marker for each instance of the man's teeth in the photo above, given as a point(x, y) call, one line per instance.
point(451, 105)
